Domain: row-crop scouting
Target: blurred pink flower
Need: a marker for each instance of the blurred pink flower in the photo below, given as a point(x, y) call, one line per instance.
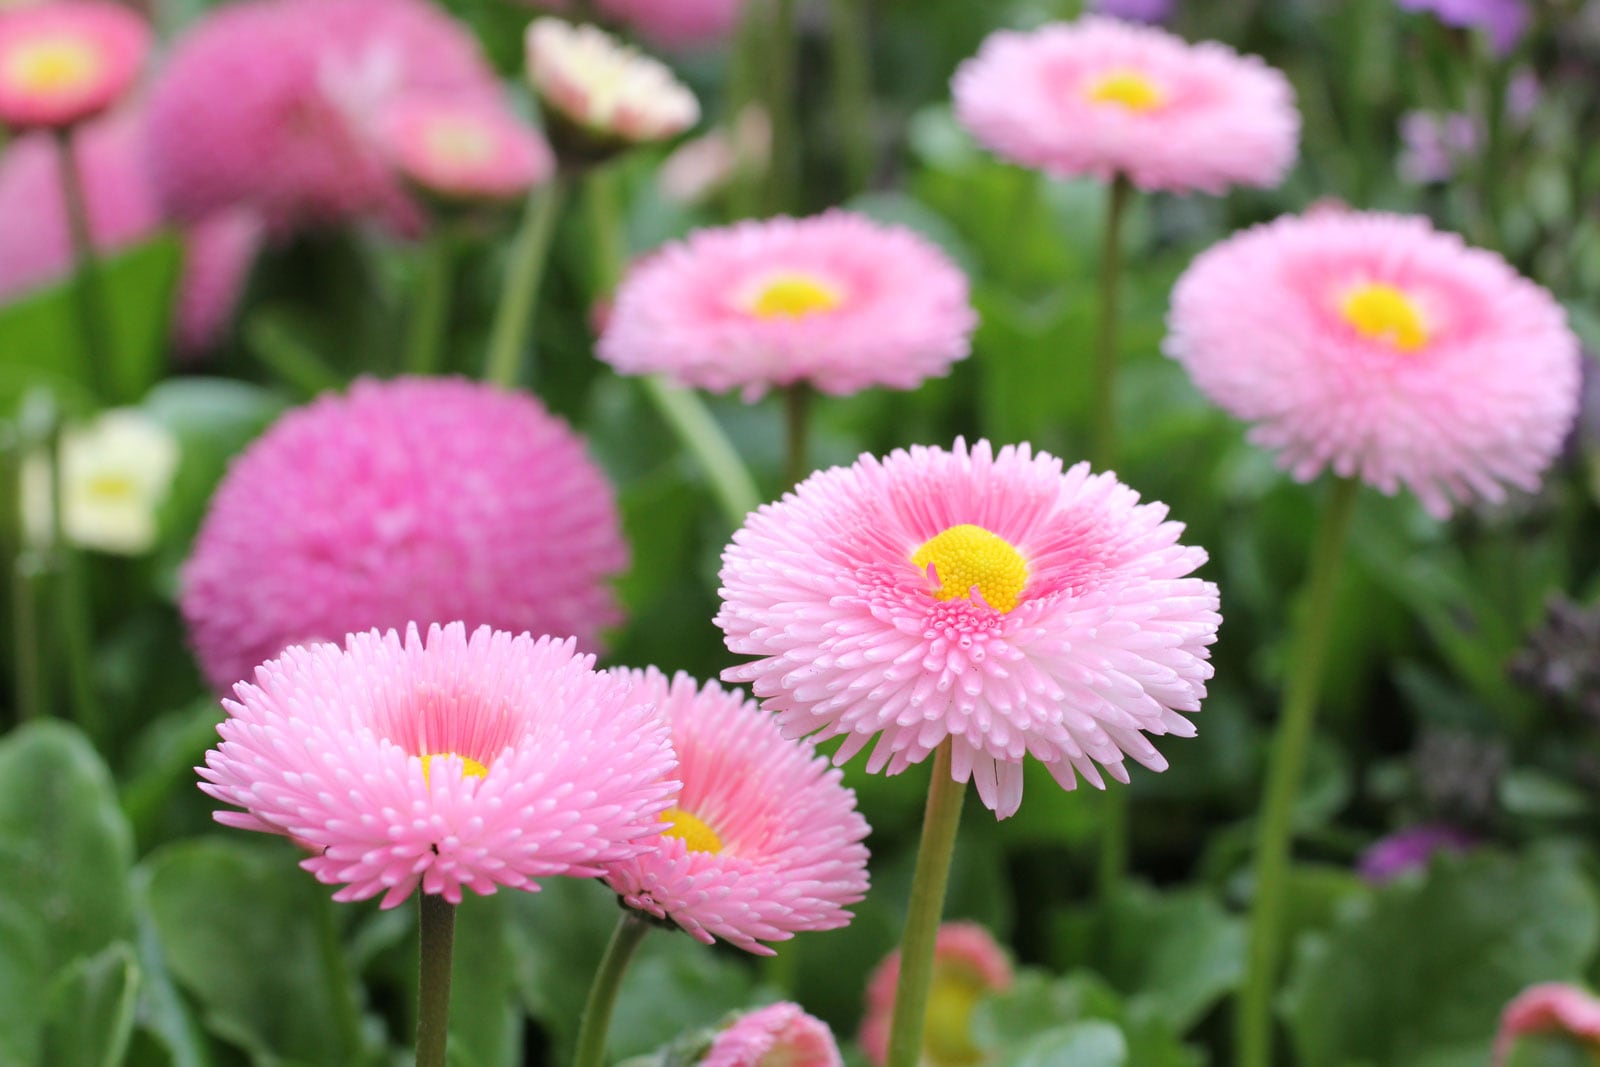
point(681, 23)
point(779, 1035)
point(988, 598)
point(1503, 20)
point(1103, 97)
point(1551, 1007)
point(67, 60)
point(1411, 848)
point(464, 148)
point(968, 964)
point(463, 762)
point(836, 301)
point(1384, 349)
point(415, 500)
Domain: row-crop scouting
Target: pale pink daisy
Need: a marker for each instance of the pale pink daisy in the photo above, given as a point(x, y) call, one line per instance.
point(1550, 1007)
point(836, 301)
point(1103, 97)
point(1379, 347)
point(779, 1035)
point(418, 499)
point(464, 148)
point(64, 61)
point(968, 965)
point(986, 598)
point(463, 762)
point(764, 840)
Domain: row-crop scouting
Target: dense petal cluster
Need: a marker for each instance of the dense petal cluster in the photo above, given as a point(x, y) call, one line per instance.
point(464, 148)
point(836, 301)
point(1379, 347)
point(604, 89)
point(779, 1035)
point(1104, 97)
point(989, 598)
point(1549, 1008)
point(414, 500)
point(765, 841)
point(67, 60)
point(462, 762)
point(968, 964)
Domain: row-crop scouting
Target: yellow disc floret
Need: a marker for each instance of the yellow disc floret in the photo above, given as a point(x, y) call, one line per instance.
point(968, 556)
point(947, 1037)
point(51, 65)
point(694, 832)
point(1384, 313)
point(794, 295)
point(459, 141)
point(1129, 89)
point(470, 768)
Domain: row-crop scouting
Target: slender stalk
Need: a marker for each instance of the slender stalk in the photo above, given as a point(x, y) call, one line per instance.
point(940, 820)
point(1103, 447)
point(93, 318)
point(796, 412)
point(1253, 1037)
point(75, 617)
point(747, 67)
point(852, 90)
point(430, 317)
point(608, 235)
point(437, 923)
point(32, 697)
point(783, 107)
point(513, 319)
point(596, 1020)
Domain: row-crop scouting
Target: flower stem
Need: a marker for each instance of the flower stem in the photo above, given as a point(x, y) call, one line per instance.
point(596, 1020)
point(75, 614)
point(22, 570)
point(437, 919)
point(92, 312)
point(782, 106)
point(1253, 1021)
point(513, 318)
point(796, 409)
point(852, 91)
point(940, 820)
point(1103, 448)
point(430, 319)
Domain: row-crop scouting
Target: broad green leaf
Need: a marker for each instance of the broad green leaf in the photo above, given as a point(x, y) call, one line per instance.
point(92, 1010)
point(1083, 1044)
point(22, 986)
point(1031, 1016)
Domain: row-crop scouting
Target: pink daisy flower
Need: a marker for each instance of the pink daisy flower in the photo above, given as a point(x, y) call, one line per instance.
point(1103, 97)
point(968, 965)
point(1384, 349)
point(462, 762)
point(779, 1035)
point(464, 148)
point(988, 598)
point(837, 301)
point(764, 840)
point(1551, 1007)
point(408, 500)
point(65, 61)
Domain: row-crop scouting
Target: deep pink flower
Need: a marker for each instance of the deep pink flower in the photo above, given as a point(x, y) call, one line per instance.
point(765, 841)
point(415, 500)
point(968, 965)
point(681, 23)
point(464, 148)
point(1384, 349)
point(1551, 1007)
point(1103, 97)
point(67, 60)
point(779, 1035)
point(836, 301)
point(1411, 848)
point(988, 598)
point(460, 763)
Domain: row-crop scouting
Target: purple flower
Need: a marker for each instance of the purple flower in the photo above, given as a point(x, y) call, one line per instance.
point(1134, 10)
point(1408, 849)
point(1502, 20)
point(1434, 143)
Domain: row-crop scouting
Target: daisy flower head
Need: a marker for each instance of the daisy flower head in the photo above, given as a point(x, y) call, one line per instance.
point(1103, 97)
point(417, 499)
point(1384, 349)
point(778, 1035)
point(989, 598)
point(456, 762)
point(464, 149)
point(67, 60)
point(764, 841)
point(115, 473)
point(968, 964)
point(836, 301)
point(1549, 1008)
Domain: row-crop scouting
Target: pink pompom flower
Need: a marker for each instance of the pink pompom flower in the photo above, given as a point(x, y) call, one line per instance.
point(764, 840)
point(462, 762)
point(65, 61)
point(779, 1035)
point(414, 500)
point(464, 148)
point(836, 301)
point(968, 965)
point(1384, 349)
point(1103, 97)
point(988, 598)
point(1549, 1008)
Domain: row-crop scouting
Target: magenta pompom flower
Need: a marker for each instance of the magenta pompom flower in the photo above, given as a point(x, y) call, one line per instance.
point(836, 301)
point(968, 964)
point(1103, 97)
point(779, 1035)
point(415, 500)
point(764, 840)
point(988, 598)
point(1549, 1008)
point(464, 148)
point(1384, 349)
point(64, 61)
point(463, 762)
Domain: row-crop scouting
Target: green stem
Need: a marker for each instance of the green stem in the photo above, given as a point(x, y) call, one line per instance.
point(940, 820)
point(700, 434)
point(852, 91)
point(1102, 454)
point(86, 288)
point(31, 696)
point(437, 920)
point(782, 107)
point(75, 616)
point(745, 84)
point(608, 236)
point(513, 319)
point(796, 409)
point(430, 318)
point(596, 1020)
point(1253, 1022)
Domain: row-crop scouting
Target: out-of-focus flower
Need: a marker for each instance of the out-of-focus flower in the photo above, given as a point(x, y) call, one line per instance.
point(414, 500)
point(764, 841)
point(1503, 20)
point(988, 598)
point(967, 966)
point(67, 60)
point(779, 1035)
point(465, 762)
point(678, 24)
point(1103, 97)
point(115, 474)
point(1134, 10)
point(1549, 1008)
point(1433, 144)
point(464, 148)
point(1411, 848)
point(703, 167)
point(836, 301)
point(1384, 349)
point(1559, 660)
point(218, 254)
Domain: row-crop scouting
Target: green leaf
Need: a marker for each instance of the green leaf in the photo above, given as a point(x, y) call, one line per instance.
point(1084, 1044)
point(22, 963)
point(92, 1010)
point(485, 1019)
point(1031, 1016)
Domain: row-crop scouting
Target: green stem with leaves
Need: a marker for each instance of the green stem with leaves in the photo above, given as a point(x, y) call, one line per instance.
point(437, 926)
point(596, 1020)
point(514, 317)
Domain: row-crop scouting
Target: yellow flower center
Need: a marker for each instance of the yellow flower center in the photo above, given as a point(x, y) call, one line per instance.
point(694, 832)
point(947, 1035)
point(52, 65)
point(459, 141)
point(1129, 89)
point(793, 296)
point(470, 768)
point(1383, 313)
point(111, 487)
point(968, 556)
